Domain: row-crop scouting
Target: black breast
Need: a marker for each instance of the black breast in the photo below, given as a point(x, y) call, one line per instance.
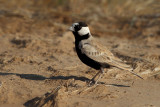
point(85, 59)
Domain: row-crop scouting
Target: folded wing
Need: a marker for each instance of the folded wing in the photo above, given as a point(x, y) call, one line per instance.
point(101, 54)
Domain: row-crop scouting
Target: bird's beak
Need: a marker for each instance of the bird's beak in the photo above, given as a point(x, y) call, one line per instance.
point(71, 29)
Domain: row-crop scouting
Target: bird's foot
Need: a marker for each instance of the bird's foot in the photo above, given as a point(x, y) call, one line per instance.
point(90, 82)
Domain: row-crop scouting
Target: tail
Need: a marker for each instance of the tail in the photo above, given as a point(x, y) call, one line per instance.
point(126, 67)
point(130, 70)
point(135, 74)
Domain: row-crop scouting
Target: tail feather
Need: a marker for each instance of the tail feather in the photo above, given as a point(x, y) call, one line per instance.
point(136, 74)
point(123, 66)
point(126, 67)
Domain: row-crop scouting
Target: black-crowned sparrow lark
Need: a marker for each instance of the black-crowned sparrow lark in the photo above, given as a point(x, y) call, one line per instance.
point(93, 53)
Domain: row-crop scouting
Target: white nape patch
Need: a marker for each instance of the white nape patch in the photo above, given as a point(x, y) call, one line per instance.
point(84, 31)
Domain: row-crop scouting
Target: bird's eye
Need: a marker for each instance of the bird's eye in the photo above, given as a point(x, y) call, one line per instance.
point(77, 27)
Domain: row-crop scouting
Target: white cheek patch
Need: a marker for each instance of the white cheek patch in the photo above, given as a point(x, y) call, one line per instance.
point(84, 31)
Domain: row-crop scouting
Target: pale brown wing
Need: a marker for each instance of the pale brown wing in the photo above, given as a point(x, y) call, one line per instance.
point(101, 54)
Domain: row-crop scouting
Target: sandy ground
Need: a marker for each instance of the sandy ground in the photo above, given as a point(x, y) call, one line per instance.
point(39, 66)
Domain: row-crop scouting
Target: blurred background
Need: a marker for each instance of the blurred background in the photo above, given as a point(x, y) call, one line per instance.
point(37, 51)
point(105, 17)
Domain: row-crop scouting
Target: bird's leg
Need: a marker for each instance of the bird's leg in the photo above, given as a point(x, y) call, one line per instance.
point(93, 79)
point(101, 71)
point(91, 82)
point(95, 76)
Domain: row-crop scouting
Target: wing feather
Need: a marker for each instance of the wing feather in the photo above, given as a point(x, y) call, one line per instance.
point(101, 54)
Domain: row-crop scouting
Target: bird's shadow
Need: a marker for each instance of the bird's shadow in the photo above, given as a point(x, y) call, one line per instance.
point(40, 77)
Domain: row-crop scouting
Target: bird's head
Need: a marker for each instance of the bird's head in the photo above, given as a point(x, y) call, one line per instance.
point(80, 28)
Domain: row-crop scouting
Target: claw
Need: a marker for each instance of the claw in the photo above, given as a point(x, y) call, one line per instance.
point(91, 82)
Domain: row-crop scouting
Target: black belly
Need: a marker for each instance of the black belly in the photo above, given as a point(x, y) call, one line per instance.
point(88, 61)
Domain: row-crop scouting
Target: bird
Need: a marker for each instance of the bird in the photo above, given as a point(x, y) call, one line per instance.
point(93, 53)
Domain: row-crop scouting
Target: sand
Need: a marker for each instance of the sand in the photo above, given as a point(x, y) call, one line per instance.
point(39, 66)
